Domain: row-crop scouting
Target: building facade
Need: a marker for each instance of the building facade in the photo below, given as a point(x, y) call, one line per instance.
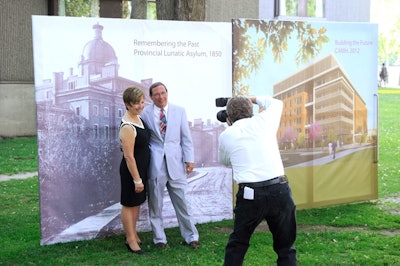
point(321, 104)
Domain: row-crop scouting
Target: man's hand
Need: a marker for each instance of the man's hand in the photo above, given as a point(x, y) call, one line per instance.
point(253, 99)
point(189, 167)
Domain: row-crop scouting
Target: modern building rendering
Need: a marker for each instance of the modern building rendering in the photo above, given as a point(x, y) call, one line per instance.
point(322, 105)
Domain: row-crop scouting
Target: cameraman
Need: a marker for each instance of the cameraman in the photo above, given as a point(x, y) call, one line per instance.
point(250, 146)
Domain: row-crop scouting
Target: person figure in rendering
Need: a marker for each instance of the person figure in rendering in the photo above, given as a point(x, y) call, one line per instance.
point(250, 146)
point(383, 75)
point(172, 159)
point(134, 137)
point(334, 146)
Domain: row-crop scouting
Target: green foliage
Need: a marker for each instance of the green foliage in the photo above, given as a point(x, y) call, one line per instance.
point(301, 139)
point(387, 15)
point(292, 8)
point(126, 12)
point(331, 135)
point(151, 10)
point(78, 8)
point(273, 35)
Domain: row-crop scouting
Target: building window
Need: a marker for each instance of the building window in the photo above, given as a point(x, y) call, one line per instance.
point(119, 112)
point(96, 131)
point(95, 110)
point(72, 85)
point(107, 131)
point(299, 8)
point(106, 112)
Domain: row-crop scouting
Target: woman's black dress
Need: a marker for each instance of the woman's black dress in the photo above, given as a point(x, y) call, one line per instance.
point(129, 197)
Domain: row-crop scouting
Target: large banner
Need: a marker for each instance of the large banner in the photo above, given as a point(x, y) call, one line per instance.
point(82, 66)
point(325, 73)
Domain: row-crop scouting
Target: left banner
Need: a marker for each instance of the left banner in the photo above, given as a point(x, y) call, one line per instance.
point(82, 66)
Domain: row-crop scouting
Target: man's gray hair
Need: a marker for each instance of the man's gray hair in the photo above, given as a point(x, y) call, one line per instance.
point(239, 107)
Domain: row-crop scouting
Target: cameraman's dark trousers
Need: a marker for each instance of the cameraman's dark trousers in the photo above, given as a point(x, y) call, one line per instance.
point(274, 203)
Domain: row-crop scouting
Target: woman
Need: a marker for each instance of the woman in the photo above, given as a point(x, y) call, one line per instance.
point(134, 137)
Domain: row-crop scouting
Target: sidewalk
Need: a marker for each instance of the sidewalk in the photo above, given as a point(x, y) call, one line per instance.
point(17, 176)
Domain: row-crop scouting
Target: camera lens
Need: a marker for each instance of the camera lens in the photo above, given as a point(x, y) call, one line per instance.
point(222, 115)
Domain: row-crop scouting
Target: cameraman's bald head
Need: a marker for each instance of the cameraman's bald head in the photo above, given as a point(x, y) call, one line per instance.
point(239, 107)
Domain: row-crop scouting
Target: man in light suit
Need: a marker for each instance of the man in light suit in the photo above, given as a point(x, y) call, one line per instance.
point(172, 159)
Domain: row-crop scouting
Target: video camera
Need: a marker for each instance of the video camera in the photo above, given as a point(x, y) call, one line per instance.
point(221, 102)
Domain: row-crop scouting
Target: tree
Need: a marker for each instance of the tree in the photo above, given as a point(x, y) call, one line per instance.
point(248, 54)
point(301, 139)
point(139, 9)
point(386, 14)
point(289, 135)
point(185, 10)
point(388, 45)
point(314, 132)
point(77, 8)
point(331, 135)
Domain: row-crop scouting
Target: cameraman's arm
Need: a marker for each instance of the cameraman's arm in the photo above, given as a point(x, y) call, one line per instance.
point(265, 102)
point(271, 110)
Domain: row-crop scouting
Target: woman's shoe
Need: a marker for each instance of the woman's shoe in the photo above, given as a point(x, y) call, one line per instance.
point(139, 242)
point(138, 252)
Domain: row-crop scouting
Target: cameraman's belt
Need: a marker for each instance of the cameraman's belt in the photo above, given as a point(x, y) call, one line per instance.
point(277, 180)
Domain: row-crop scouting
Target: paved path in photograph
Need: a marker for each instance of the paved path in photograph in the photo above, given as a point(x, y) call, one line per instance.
point(17, 176)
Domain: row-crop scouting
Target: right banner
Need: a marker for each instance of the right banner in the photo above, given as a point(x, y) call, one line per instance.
point(326, 75)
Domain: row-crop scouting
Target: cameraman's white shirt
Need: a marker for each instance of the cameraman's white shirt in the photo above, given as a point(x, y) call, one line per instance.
point(250, 145)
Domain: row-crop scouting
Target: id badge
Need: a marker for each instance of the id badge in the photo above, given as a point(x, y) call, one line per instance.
point(248, 193)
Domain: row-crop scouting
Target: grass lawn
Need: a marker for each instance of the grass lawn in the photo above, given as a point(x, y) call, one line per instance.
point(364, 233)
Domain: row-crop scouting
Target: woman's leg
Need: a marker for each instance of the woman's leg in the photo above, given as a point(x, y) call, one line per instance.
point(129, 216)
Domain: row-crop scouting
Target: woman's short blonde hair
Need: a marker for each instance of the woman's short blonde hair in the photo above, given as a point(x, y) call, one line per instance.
point(239, 107)
point(132, 95)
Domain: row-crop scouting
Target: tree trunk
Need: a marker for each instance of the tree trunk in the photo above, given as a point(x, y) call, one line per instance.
point(191, 10)
point(185, 10)
point(139, 9)
point(165, 9)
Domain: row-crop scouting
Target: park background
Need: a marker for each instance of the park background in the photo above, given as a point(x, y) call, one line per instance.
point(387, 170)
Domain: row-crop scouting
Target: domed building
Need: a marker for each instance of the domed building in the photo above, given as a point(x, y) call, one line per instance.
point(97, 54)
point(78, 118)
point(94, 94)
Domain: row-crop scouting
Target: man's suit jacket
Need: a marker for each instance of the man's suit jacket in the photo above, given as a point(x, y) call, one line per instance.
point(177, 146)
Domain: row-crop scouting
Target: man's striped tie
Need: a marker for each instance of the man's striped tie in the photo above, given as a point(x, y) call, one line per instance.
point(163, 123)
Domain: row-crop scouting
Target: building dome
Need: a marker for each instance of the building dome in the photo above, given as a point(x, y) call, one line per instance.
point(97, 50)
